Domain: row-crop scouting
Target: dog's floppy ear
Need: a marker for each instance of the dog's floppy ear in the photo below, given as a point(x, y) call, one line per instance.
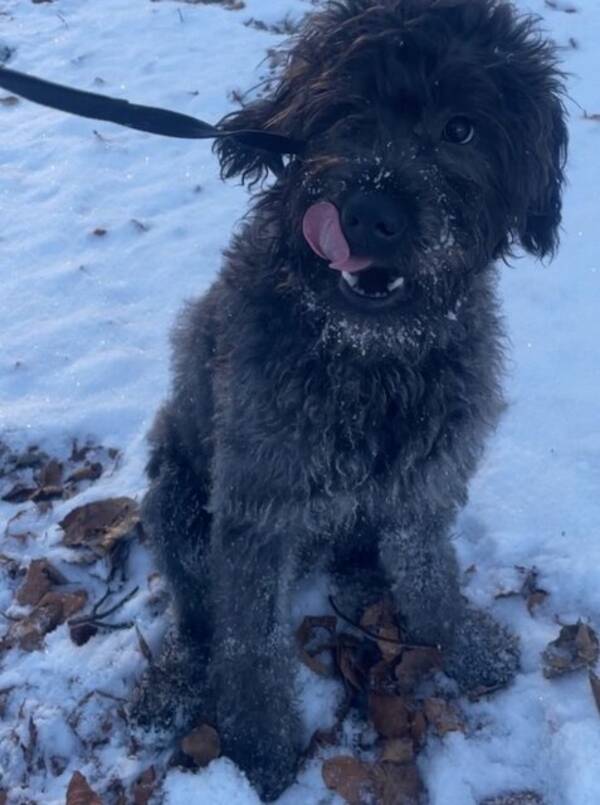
point(238, 159)
point(539, 231)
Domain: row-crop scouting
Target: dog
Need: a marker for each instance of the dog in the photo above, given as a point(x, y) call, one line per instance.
point(333, 390)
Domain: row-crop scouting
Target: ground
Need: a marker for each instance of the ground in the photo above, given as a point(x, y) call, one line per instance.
point(104, 232)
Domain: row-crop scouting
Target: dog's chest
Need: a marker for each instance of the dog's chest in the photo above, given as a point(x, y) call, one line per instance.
point(331, 426)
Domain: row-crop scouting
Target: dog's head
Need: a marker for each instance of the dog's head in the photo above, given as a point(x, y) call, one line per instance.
point(435, 142)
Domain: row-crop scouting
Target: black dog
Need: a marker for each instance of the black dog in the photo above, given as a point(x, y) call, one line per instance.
point(333, 389)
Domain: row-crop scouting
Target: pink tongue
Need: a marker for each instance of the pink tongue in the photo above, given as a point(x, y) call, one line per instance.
point(322, 229)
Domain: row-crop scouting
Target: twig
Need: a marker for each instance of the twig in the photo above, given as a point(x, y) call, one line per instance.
point(371, 635)
point(95, 618)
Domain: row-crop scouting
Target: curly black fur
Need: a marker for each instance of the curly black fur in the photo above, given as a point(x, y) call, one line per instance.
point(305, 430)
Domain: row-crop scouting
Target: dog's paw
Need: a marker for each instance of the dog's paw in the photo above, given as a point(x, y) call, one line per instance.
point(484, 654)
point(268, 758)
point(172, 693)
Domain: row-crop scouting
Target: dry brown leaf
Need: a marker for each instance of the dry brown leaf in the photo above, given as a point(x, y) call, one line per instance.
point(576, 647)
point(350, 778)
point(47, 493)
point(203, 745)
point(397, 750)
point(102, 524)
point(443, 716)
point(51, 473)
point(144, 787)
point(536, 599)
point(529, 590)
point(91, 472)
point(53, 609)
point(349, 661)
point(418, 728)
point(389, 715)
point(80, 793)
point(397, 784)
point(415, 664)
point(309, 647)
point(41, 577)
point(595, 685)
point(378, 620)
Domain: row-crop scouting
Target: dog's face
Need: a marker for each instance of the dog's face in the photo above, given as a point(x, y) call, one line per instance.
point(435, 141)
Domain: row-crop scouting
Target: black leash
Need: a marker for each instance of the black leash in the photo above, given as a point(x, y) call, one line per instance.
point(134, 116)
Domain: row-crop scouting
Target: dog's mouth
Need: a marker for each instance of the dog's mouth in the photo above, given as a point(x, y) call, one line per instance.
point(375, 286)
point(361, 280)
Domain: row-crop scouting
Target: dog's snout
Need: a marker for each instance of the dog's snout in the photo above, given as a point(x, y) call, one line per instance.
point(373, 223)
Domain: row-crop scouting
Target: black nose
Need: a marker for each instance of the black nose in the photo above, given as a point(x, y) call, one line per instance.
point(373, 223)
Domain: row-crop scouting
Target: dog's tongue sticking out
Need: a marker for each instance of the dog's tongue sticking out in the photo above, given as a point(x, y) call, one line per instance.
point(323, 231)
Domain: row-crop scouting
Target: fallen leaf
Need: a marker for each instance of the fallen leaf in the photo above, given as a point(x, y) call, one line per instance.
point(51, 473)
point(389, 715)
point(418, 727)
point(350, 662)
point(90, 472)
point(576, 647)
point(46, 493)
point(144, 787)
point(80, 793)
point(397, 784)
point(41, 577)
point(53, 609)
point(529, 589)
point(443, 716)
point(378, 620)
point(101, 525)
point(416, 664)
point(535, 600)
point(397, 750)
point(348, 777)
point(9, 100)
point(203, 745)
point(100, 232)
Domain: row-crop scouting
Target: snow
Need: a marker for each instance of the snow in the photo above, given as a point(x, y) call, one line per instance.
point(85, 354)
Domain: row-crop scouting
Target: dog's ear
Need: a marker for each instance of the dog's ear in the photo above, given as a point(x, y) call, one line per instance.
point(539, 230)
point(237, 159)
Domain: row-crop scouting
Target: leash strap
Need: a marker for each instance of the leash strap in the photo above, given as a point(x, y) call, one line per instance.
point(133, 116)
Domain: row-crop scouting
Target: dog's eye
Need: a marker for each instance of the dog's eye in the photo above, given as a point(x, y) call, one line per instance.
point(459, 130)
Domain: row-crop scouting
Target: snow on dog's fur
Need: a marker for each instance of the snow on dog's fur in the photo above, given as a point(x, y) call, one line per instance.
point(333, 390)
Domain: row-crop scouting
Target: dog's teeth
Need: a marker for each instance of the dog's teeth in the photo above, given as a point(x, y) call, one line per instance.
point(351, 279)
point(395, 284)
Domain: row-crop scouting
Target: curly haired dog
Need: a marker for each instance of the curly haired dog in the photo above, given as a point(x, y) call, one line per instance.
point(333, 389)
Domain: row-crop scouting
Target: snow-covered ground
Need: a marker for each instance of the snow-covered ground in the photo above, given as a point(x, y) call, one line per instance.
point(84, 354)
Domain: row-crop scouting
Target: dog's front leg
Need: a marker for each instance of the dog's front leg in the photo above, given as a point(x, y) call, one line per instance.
point(423, 573)
point(252, 667)
point(423, 576)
